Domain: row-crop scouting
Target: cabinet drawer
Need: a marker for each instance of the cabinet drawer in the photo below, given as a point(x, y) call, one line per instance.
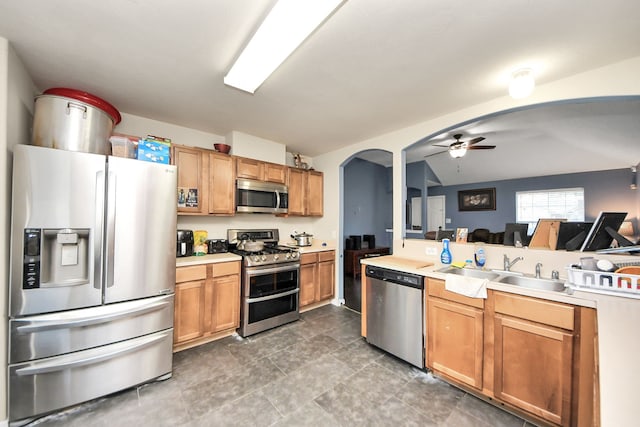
point(187, 274)
point(537, 310)
point(326, 256)
point(436, 288)
point(225, 268)
point(309, 258)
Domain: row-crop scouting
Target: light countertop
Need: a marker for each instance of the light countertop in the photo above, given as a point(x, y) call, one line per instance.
point(207, 259)
point(317, 246)
point(429, 269)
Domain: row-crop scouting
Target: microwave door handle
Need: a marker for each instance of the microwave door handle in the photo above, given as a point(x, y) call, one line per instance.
point(111, 229)
point(277, 199)
point(98, 230)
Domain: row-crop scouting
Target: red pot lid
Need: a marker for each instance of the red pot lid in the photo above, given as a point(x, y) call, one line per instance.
point(87, 98)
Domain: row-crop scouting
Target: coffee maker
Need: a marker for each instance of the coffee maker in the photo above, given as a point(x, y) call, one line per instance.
point(184, 245)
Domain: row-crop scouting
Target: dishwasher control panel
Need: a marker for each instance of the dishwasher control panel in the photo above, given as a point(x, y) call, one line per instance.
point(401, 278)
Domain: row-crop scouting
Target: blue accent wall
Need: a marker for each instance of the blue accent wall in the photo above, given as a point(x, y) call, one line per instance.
point(368, 204)
point(603, 191)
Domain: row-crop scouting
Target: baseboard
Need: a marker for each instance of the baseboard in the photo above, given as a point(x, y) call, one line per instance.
point(338, 301)
point(4, 423)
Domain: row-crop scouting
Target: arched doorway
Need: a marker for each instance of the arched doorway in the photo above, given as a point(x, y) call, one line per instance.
point(367, 214)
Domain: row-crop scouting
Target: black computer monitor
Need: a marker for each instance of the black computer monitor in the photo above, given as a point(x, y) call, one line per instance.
point(600, 235)
point(445, 234)
point(571, 235)
point(509, 233)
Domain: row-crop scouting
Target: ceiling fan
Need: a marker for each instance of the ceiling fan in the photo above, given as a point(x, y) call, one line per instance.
point(459, 148)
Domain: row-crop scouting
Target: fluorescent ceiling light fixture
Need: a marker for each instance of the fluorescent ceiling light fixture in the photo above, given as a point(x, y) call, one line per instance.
point(522, 83)
point(288, 24)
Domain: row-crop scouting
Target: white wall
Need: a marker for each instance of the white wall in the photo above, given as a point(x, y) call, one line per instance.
point(16, 112)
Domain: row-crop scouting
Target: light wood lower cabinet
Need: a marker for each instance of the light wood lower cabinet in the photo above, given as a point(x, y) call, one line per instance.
point(207, 302)
point(454, 335)
point(317, 277)
point(534, 356)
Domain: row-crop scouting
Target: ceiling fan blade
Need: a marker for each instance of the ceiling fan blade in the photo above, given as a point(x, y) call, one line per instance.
point(481, 147)
point(441, 145)
point(435, 154)
point(475, 140)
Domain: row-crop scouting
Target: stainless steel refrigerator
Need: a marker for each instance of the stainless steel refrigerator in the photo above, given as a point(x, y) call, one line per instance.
point(92, 277)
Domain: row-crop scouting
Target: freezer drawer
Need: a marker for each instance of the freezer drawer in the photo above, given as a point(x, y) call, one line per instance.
point(53, 383)
point(35, 337)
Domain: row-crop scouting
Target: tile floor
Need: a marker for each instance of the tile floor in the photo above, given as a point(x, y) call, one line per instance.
point(314, 372)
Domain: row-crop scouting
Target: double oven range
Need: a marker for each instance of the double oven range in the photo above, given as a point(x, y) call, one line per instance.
point(270, 280)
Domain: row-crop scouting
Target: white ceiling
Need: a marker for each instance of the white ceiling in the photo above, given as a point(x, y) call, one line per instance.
point(373, 67)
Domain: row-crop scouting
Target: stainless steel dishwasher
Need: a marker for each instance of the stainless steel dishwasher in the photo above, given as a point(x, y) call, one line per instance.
point(395, 313)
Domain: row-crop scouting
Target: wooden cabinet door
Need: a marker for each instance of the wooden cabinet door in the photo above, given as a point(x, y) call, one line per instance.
point(455, 340)
point(308, 279)
point(326, 275)
point(275, 173)
point(188, 314)
point(296, 191)
point(533, 368)
point(314, 193)
point(193, 171)
point(222, 183)
point(226, 303)
point(249, 168)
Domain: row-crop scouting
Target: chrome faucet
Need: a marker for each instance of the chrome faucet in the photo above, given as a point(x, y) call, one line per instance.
point(538, 266)
point(508, 264)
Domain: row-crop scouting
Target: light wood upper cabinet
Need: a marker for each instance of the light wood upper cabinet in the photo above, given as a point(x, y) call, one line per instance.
point(297, 192)
point(275, 173)
point(454, 334)
point(306, 192)
point(315, 193)
point(222, 182)
point(211, 175)
point(317, 277)
point(261, 171)
point(193, 172)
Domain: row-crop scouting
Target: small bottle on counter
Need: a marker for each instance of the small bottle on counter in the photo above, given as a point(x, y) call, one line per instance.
point(480, 257)
point(445, 255)
point(468, 264)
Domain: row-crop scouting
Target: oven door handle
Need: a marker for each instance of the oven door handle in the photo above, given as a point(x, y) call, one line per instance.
point(260, 271)
point(270, 297)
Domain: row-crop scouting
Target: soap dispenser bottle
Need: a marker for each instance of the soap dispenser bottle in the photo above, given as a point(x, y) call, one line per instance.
point(445, 255)
point(480, 257)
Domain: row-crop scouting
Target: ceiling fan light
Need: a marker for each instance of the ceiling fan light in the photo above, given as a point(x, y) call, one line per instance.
point(458, 152)
point(522, 83)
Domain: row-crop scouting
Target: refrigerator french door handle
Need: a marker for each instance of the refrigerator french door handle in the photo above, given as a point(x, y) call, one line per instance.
point(111, 229)
point(270, 297)
point(47, 325)
point(98, 231)
point(76, 360)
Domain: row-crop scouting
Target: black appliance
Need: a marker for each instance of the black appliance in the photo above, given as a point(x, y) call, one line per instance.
point(184, 243)
point(270, 281)
point(356, 242)
point(217, 246)
point(370, 239)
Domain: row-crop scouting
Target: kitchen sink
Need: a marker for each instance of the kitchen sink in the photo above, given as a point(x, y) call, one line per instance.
point(532, 282)
point(469, 272)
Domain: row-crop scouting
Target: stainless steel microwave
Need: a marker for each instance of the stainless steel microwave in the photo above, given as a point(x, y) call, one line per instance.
point(261, 197)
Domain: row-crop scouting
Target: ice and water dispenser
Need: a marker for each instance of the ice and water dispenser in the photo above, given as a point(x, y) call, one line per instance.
point(55, 257)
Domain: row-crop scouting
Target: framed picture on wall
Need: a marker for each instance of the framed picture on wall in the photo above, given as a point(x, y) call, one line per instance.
point(483, 199)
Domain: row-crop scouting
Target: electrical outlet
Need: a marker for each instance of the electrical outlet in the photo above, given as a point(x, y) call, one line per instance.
point(430, 250)
point(447, 220)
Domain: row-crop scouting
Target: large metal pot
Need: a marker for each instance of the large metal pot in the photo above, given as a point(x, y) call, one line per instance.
point(303, 239)
point(251, 245)
point(73, 120)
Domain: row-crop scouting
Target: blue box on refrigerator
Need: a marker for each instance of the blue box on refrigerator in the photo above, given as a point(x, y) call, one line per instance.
point(151, 151)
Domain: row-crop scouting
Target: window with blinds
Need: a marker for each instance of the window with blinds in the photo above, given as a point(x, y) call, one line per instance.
point(565, 203)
